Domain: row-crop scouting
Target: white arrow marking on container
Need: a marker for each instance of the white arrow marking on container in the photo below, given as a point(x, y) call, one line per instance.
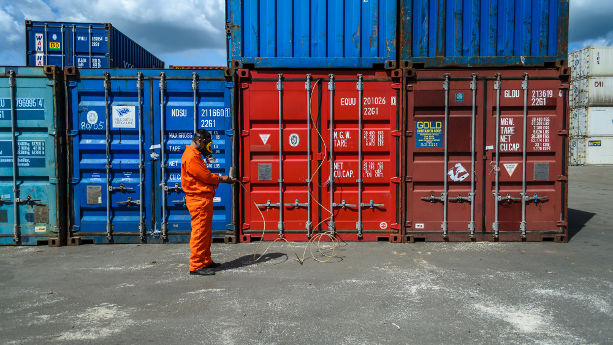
point(264, 138)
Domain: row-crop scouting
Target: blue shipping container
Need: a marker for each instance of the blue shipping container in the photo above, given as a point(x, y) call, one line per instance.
point(128, 130)
point(84, 45)
point(436, 33)
point(311, 34)
point(32, 180)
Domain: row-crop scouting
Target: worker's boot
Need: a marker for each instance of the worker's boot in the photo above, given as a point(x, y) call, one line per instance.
point(202, 272)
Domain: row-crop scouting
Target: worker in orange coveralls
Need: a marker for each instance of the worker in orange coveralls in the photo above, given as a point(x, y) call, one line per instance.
point(199, 185)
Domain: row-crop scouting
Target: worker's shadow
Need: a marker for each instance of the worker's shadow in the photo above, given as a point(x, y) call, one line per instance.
point(248, 260)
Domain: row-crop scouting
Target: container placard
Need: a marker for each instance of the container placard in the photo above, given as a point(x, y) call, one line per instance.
point(429, 134)
point(124, 116)
point(27, 108)
point(30, 153)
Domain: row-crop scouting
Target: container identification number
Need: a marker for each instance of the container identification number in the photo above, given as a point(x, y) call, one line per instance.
point(539, 97)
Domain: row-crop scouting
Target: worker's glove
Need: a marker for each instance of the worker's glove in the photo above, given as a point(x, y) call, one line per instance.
point(226, 179)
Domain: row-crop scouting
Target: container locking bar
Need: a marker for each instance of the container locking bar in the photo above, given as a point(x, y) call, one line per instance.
point(281, 224)
point(163, 154)
point(297, 204)
point(522, 225)
point(107, 87)
point(433, 199)
point(497, 170)
point(141, 164)
point(344, 205)
point(195, 91)
point(15, 148)
point(63, 50)
point(471, 196)
point(122, 188)
point(331, 226)
point(129, 202)
point(180, 202)
point(89, 46)
point(372, 205)
point(360, 87)
point(268, 204)
point(446, 156)
point(74, 44)
point(309, 223)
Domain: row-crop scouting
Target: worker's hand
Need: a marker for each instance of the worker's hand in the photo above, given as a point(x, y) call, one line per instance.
point(226, 179)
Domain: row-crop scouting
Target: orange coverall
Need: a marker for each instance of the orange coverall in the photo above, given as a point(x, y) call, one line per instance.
point(199, 185)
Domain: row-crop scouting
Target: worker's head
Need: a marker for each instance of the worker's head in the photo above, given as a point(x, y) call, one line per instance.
point(204, 142)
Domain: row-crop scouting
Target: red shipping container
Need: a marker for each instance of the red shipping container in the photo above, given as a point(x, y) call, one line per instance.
point(306, 111)
point(486, 155)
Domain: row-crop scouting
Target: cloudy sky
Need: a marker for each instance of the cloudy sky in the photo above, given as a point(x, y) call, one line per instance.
point(191, 32)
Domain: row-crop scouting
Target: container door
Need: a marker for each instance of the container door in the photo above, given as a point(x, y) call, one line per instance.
point(180, 94)
point(526, 154)
point(111, 129)
point(300, 156)
point(361, 191)
point(443, 130)
point(91, 46)
point(279, 157)
point(30, 209)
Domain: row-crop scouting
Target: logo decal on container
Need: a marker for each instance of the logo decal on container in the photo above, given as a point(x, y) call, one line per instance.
point(294, 140)
point(38, 38)
point(458, 173)
point(92, 117)
point(264, 138)
point(383, 225)
point(124, 116)
point(510, 168)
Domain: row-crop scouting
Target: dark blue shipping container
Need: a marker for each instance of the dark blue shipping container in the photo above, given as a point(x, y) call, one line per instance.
point(128, 130)
point(436, 33)
point(32, 180)
point(311, 34)
point(84, 45)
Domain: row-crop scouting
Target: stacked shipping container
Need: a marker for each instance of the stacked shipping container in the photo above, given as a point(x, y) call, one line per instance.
point(348, 124)
point(319, 145)
point(591, 103)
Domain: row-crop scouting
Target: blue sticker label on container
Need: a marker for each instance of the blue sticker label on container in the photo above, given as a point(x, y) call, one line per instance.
point(30, 153)
point(459, 97)
point(429, 134)
point(27, 108)
point(594, 143)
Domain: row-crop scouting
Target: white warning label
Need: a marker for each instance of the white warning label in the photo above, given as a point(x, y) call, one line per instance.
point(264, 138)
point(510, 168)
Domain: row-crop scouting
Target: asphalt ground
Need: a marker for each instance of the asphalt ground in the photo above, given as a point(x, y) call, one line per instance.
point(371, 293)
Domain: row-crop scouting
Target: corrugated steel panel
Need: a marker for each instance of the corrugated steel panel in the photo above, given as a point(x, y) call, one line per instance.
point(593, 121)
point(591, 62)
point(465, 152)
point(125, 173)
point(32, 192)
point(592, 151)
point(84, 45)
point(593, 91)
point(483, 33)
point(311, 34)
point(303, 136)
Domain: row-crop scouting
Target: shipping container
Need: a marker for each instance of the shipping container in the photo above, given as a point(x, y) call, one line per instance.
point(311, 34)
point(591, 62)
point(486, 155)
point(483, 33)
point(590, 92)
point(32, 180)
point(320, 153)
point(591, 151)
point(593, 121)
point(128, 130)
point(84, 45)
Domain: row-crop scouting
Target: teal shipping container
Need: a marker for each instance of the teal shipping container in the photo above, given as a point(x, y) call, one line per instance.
point(32, 180)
